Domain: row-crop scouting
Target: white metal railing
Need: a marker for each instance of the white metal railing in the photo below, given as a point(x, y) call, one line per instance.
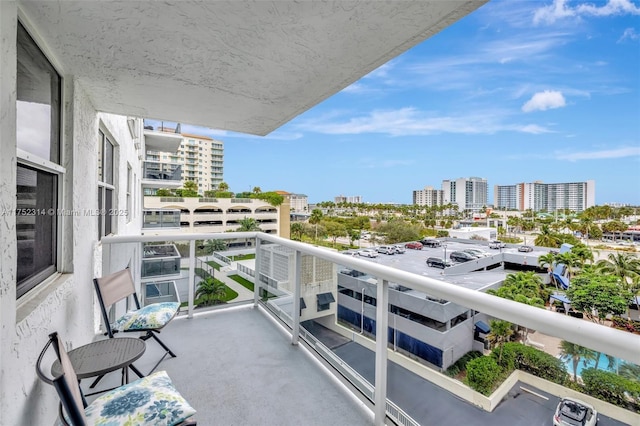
point(584, 333)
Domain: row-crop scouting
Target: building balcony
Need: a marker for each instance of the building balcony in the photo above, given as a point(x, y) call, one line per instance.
point(160, 261)
point(161, 141)
point(160, 219)
point(309, 367)
point(161, 175)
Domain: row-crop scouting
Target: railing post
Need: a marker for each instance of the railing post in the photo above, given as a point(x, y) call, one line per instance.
point(256, 274)
point(192, 275)
point(382, 320)
point(296, 298)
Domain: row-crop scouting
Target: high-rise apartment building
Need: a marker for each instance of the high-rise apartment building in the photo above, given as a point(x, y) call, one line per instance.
point(355, 199)
point(200, 158)
point(468, 193)
point(537, 196)
point(428, 197)
point(299, 203)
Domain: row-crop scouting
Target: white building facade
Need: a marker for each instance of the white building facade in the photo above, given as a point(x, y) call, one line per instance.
point(468, 193)
point(299, 203)
point(428, 197)
point(538, 196)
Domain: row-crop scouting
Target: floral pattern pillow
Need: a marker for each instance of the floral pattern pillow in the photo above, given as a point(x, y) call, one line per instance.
point(151, 400)
point(150, 317)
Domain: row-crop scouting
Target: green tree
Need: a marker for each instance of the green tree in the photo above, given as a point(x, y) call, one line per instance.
point(630, 371)
point(597, 295)
point(256, 190)
point(397, 231)
point(314, 219)
point(223, 187)
point(547, 238)
point(211, 246)
point(482, 374)
point(248, 224)
point(623, 265)
point(210, 292)
point(297, 229)
point(500, 333)
point(334, 230)
point(164, 193)
point(575, 353)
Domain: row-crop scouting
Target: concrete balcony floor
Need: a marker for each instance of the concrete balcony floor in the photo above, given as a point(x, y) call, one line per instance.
point(236, 366)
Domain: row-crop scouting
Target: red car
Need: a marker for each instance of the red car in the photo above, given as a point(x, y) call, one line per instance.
point(414, 245)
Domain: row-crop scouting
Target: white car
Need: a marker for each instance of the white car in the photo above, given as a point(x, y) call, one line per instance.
point(368, 253)
point(386, 250)
point(497, 244)
point(477, 253)
point(573, 412)
point(399, 248)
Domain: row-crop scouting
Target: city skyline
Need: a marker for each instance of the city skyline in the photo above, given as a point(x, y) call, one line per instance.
point(514, 92)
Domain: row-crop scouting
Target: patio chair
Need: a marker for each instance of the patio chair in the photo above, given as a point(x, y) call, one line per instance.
point(152, 399)
point(149, 320)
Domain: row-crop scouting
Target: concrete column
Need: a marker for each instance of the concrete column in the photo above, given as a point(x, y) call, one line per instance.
point(296, 298)
point(382, 320)
point(192, 275)
point(256, 275)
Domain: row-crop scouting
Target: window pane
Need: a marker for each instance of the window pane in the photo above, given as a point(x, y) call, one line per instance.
point(38, 101)
point(35, 226)
point(108, 205)
point(100, 207)
point(100, 154)
point(108, 162)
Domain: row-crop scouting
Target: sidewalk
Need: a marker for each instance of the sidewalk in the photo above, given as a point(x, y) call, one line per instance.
point(243, 293)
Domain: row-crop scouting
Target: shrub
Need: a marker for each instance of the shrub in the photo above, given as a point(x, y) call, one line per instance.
point(612, 388)
point(461, 364)
point(483, 373)
point(533, 361)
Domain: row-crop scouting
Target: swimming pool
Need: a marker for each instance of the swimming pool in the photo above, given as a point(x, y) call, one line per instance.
point(603, 364)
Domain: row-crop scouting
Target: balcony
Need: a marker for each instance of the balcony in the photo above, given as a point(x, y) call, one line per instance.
point(160, 261)
point(161, 175)
point(160, 219)
point(248, 348)
point(161, 141)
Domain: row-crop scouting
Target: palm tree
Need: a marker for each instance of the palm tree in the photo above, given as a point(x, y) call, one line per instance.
point(546, 238)
point(623, 265)
point(223, 186)
point(315, 218)
point(210, 292)
point(500, 333)
point(570, 260)
point(215, 245)
point(297, 230)
point(256, 190)
point(630, 371)
point(547, 260)
point(575, 353)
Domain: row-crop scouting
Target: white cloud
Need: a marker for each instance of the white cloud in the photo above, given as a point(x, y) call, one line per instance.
point(560, 10)
point(411, 122)
point(541, 101)
point(632, 151)
point(629, 34)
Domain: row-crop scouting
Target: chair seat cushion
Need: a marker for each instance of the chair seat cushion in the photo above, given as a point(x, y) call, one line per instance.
point(153, 316)
point(151, 400)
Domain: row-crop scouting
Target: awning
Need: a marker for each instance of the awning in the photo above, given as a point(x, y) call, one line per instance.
point(560, 297)
point(325, 298)
point(302, 304)
point(483, 327)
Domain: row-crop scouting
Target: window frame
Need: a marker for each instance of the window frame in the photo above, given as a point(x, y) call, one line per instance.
point(106, 212)
point(49, 166)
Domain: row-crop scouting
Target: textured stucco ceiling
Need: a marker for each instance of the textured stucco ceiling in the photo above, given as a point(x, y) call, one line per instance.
point(233, 65)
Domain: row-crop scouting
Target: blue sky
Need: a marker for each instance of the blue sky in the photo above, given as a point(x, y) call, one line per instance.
point(518, 91)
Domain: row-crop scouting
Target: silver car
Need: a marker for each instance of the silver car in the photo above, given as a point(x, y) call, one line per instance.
point(573, 412)
point(367, 253)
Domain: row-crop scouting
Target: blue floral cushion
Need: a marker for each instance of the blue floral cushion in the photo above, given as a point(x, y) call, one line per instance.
point(153, 316)
point(151, 400)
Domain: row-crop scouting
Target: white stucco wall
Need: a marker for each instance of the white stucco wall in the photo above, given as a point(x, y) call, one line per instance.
point(64, 302)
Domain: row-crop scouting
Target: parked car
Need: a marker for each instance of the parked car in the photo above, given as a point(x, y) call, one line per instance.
point(574, 412)
point(438, 262)
point(461, 256)
point(387, 250)
point(525, 249)
point(414, 245)
point(352, 272)
point(431, 242)
point(368, 253)
point(399, 248)
point(476, 252)
point(497, 244)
